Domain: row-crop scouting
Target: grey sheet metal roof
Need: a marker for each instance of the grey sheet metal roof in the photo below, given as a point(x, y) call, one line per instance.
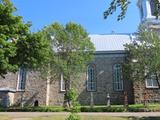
point(111, 42)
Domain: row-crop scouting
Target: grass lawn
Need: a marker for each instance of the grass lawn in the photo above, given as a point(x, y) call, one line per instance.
point(82, 118)
point(96, 118)
point(4, 118)
point(62, 117)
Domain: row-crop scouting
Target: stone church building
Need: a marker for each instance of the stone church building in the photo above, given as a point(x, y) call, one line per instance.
point(103, 75)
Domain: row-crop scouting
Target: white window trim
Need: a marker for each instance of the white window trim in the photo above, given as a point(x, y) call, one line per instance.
point(61, 83)
point(18, 80)
point(18, 77)
point(152, 86)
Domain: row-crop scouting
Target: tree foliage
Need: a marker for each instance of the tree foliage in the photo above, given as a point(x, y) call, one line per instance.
point(33, 51)
point(18, 46)
point(123, 5)
point(144, 55)
point(72, 49)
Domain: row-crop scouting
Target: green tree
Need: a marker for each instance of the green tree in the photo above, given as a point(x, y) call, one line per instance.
point(123, 5)
point(144, 56)
point(72, 48)
point(18, 46)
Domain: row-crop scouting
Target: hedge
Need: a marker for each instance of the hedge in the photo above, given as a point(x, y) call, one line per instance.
point(113, 108)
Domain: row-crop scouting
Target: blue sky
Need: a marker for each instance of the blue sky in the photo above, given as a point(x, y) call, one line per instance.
point(88, 13)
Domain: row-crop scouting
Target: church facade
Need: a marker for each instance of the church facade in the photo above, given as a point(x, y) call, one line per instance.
point(103, 76)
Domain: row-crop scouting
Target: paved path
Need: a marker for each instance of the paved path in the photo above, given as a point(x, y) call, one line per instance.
point(37, 114)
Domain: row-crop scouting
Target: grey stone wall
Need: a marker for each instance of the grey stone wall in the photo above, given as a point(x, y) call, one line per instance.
point(104, 73)
point(9, 81)
point(35, 89)
point(152, 94)
point(104, 68)
point(56, 96)
point(36, 86)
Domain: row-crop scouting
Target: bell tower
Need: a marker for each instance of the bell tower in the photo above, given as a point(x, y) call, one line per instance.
point(148, 10)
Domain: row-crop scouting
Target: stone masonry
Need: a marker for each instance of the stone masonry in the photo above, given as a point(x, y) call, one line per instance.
point(104, 71)
point(35, 88)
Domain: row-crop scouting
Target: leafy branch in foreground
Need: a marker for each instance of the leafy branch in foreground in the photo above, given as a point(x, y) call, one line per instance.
point(122, 4)
point(18, 46)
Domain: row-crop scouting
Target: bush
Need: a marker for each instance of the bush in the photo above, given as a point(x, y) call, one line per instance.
point(73, 116)
point(71, 95)
point(77, 108)
point(32, 109)
point(102, 109)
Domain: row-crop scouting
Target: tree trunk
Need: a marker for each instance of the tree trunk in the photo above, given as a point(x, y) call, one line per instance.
point(22, 100)
point(48, 91)
point(126, 99)
point(91, 100)
point(48, 85)
point(145, 99)
point(67, 100)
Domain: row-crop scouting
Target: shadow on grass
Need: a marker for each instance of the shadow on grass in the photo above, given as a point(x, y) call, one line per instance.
point(145, 118)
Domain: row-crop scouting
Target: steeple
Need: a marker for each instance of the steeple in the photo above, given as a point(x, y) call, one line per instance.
point(148, 9)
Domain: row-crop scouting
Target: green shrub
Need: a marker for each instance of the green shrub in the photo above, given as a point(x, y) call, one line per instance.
point(73, 116)
point(71, 95)
point(33, 109)
point(77, 108)
point(102, 109)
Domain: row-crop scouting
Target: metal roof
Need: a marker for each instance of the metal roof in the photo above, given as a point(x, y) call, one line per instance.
point(111, 42)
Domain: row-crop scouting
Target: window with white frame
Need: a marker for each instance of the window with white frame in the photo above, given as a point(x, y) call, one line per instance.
point(62, 83)
point(152, 82)
point(22, 79)
point(91, 80)
point(117, 77)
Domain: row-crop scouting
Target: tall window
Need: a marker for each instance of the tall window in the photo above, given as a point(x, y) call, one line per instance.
point(117, 77)
point(62, 83)
point(22, 79)
point(91, 80)
point(152, 82)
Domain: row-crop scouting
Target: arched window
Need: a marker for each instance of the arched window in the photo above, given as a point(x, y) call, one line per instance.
point(117, 77)
point(91, 80)
point(21, 79)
